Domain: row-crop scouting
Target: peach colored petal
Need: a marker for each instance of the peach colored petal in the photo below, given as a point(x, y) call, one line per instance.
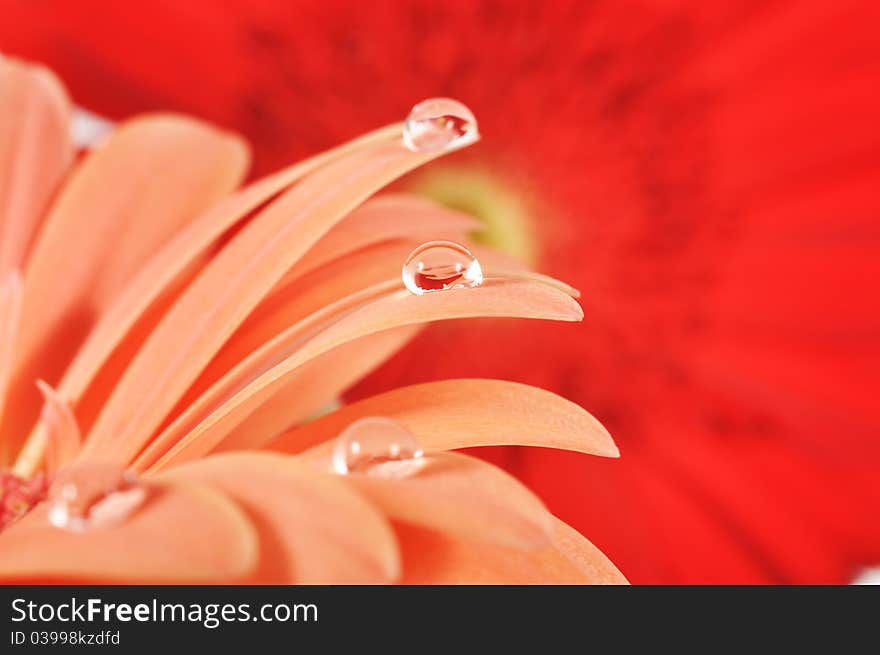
point(62, 432)
point(469, 412)
point(305, 291)
point(385, 218)
point(502, 265)
point(313, 528)
point(383, 307)
point(182, 533)
point(35, 151)
point(461, 496)
point(126, 199)
point(167, 266)
point(10, 316)
point(185, 426)
point(233, 283)
point(303, 297)
point(179, 254)
point(431, 557)
point(584, 555)
point(315, 385)
point(152, 176)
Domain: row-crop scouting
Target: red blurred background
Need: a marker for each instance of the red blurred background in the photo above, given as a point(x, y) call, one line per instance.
point(705, 173)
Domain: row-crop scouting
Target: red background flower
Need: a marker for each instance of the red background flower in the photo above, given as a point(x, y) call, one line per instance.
point(707, 175)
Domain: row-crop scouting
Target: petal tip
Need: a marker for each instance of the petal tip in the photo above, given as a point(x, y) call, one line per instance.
point(608, 447)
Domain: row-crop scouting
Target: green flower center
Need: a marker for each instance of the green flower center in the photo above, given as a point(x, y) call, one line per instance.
point(508, 224)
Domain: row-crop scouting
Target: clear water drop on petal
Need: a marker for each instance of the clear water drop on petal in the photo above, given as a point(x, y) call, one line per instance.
point(441, 265)
point(93, 496)
point(439, 124)
point(377, 446)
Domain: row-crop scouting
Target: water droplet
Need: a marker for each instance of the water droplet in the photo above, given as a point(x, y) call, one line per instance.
point(440, 265)
point(439, 124)
point(89, 130)
point(377, 446)
point(93, 496)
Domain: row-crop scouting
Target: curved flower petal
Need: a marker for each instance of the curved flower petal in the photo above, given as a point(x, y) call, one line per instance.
point(387, 217)
point(307, 289)
point(431, 557)
point(182, 533)
point(462, 496)
point(313, 528)
point(232, 284)
point(191, 242)
point(152, 176)
point(299, 299)
point(35, 151)
point(316, 384)
point(462, 413)
point(591, 561)
point(160, 273)
point(122, 202)
point(62, 432)
point(258, 377)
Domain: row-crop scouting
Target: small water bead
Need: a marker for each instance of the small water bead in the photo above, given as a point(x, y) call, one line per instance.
point(89, 130)
point(93, 496)
point(440, 265)
point(439, 124)
point(377, 446)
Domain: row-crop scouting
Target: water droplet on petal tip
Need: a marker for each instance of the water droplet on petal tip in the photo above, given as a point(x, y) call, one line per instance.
point(377, 446)
point(441, 265)
point(439, 124)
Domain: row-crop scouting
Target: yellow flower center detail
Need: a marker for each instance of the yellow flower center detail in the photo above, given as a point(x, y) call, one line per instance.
point(509, 226)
